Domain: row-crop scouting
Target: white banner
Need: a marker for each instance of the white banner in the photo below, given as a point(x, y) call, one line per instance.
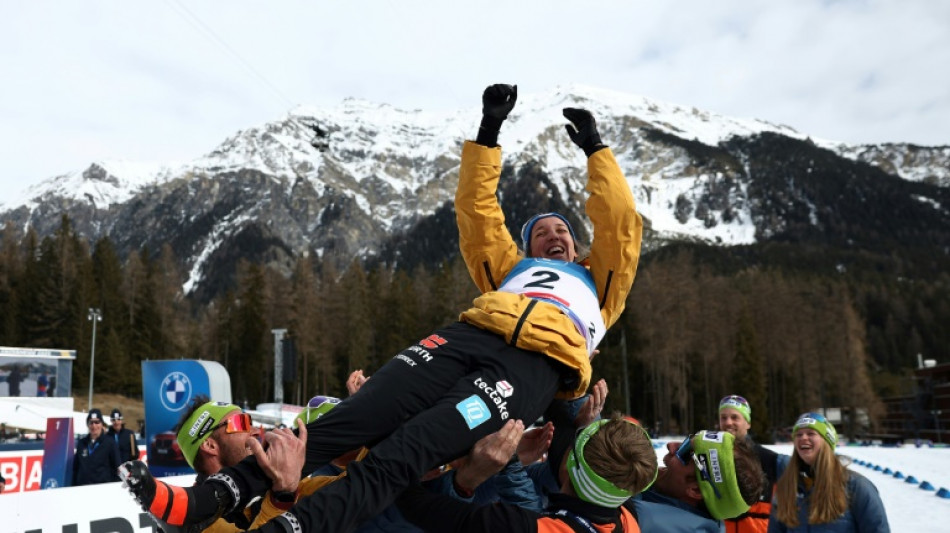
point(104, 508)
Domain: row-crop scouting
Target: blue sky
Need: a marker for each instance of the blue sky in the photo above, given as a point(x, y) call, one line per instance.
point(168, 80)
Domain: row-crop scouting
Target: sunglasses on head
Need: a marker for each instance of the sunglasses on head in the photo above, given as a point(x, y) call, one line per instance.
point(238, 423)
point(685, 452)
point(685, 455)
point(733, 398)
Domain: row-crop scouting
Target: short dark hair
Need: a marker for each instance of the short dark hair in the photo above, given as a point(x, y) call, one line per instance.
point(622, 453)
point(196, 402)
point(749, 474)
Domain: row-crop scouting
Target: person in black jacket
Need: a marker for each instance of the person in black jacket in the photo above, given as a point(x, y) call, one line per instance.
point(609, 461)
point(123, 437)
point(97, 456)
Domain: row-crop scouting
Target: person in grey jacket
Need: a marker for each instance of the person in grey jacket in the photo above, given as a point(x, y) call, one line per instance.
point(819, 494)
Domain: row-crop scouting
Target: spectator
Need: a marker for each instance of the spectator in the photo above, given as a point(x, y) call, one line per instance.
point(817, 493)
point(97, 456)
point(735, 416)
point(527, 338)
point(609, 461)
point(5, 434)
point(52, 386)
point(42, 384)
point(707, 478)
point(124, 438)
point(14, 379)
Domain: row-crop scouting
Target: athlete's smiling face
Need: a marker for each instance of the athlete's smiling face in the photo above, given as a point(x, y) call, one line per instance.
point(551, 239)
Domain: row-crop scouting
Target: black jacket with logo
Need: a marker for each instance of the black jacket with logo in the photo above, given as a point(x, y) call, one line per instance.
point(96, 461)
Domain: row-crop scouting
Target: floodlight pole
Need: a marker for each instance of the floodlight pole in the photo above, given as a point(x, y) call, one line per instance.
point(278, 365)
point(95, 315)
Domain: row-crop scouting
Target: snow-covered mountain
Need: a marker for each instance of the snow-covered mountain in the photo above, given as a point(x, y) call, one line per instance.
point(344, 182)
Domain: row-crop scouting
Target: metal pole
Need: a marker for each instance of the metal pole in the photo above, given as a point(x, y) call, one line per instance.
point(278, 365)
point(936, 414)
point(95, 315)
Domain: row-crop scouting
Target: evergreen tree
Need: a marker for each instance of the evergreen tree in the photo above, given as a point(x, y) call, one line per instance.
point(749, 374)
point(305, 324)
point(355, 351)
point(11, 273)
point(250, 363)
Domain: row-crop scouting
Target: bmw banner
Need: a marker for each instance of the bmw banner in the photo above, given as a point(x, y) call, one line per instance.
point(168, 388)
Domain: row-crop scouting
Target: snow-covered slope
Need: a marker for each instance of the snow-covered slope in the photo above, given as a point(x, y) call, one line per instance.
point(347, 178)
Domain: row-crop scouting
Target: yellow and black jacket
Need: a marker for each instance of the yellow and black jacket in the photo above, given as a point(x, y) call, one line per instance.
point(491, 253)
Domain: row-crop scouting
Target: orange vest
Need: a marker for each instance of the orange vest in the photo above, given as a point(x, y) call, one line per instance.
point(551, 524)
point(755, 520)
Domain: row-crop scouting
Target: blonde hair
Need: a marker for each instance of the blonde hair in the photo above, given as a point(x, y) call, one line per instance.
point(829, 495)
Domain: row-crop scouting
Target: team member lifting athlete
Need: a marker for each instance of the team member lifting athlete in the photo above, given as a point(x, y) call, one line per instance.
point(527, 338)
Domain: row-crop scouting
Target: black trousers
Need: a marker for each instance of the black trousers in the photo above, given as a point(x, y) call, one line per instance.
point(426, 407)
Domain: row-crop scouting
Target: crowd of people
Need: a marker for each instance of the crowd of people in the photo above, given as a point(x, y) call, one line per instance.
point(436, 439)
point(44, 382)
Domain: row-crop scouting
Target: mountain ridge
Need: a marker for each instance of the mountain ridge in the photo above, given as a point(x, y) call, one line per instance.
point(349, 182)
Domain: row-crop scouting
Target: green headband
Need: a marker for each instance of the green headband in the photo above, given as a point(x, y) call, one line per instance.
point(739, 404)
point(716, 474)
point(588, 485)
point(820, 424)
point(197, 427)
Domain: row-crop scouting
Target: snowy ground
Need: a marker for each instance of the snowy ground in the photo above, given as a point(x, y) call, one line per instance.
point(910, 509)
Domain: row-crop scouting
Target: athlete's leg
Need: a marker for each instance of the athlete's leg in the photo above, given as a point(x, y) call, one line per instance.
point(512, 384)
point(413, 380)
point(410, 382)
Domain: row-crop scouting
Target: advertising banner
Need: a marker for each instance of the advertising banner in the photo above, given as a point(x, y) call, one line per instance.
point(168, 388)
point(58, 453)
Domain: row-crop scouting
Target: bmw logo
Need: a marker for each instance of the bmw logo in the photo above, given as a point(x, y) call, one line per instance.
point(175, 391)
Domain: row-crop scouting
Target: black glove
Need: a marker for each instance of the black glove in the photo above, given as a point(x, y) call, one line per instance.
point(583, 130)
point(497, 101)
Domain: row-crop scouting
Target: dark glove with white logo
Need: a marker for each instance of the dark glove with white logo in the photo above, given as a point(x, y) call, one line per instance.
point(583, 130)
point(497, 101)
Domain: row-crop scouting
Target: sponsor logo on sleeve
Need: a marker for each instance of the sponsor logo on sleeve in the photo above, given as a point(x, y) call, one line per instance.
point(497, 394)
point(474, 411)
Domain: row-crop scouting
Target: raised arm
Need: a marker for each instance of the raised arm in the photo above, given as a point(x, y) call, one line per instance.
point(485, 243)
point(618, 228)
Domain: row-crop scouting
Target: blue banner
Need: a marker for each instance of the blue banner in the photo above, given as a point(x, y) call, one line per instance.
point(168, 388)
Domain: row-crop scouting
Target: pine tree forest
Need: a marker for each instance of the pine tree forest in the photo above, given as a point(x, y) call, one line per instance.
point(690, 334)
